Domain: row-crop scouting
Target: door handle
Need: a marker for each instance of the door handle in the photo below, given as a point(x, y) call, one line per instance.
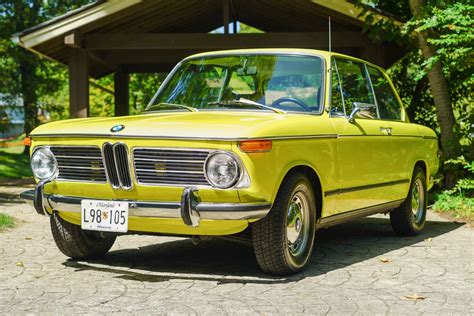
point(386, 130)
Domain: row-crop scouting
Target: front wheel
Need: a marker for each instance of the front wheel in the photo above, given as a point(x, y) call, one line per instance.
point(77, 243)
point(283, 240)
point(409, 218)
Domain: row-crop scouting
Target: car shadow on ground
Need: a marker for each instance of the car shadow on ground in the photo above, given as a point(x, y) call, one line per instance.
point(232, 262)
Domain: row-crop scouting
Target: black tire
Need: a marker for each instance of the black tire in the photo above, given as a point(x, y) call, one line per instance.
point(405, 221)
point(274, 251)
point(76, 243)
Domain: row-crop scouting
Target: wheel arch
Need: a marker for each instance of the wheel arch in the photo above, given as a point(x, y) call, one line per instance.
point(313, 177)
point(424, 166)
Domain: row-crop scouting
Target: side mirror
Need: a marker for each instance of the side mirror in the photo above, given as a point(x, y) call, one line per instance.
point(360, 106)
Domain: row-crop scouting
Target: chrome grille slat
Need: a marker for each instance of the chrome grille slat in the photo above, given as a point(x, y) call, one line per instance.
point(77, 157)
point(121, 162)
point(109, 161)
point(162, 166)
point(79, 163)
point(168, 160)
point(170, 171)
point(78, 167)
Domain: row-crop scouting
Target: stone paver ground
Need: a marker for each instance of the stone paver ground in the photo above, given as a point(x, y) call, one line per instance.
point(357, 268)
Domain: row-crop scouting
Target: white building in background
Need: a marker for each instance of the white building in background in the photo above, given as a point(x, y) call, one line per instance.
point(12, 117)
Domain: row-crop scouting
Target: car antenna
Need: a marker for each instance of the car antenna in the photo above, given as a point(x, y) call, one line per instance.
point(330, 48)
point(329, 27)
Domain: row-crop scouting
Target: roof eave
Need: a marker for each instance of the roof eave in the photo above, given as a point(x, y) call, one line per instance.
point(36, 36)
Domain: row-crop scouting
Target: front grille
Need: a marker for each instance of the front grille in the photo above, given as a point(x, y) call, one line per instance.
point(116, 161)
point(158, 166)
point(80, 163)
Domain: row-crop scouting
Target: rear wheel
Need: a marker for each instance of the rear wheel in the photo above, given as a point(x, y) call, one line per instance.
point(77, 243)
point(283, 240)
point(409, 218)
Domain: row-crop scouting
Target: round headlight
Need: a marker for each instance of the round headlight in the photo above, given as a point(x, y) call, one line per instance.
point(222, 170)
point(44, 164)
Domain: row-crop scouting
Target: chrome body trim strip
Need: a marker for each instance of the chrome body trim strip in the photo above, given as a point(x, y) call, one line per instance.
point(212, 211)
point(217, 138)
point(364, 187)
point(340, 218)
point(181, 137)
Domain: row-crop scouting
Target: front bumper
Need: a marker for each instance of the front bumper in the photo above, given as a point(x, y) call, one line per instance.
point(190, 209)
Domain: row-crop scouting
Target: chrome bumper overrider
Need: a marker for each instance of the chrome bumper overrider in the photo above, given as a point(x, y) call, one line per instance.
point(190, 210)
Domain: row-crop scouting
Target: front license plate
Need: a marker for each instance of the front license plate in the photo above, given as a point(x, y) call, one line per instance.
point(108, 216)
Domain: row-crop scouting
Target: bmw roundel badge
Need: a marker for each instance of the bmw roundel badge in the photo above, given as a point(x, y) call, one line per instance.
point(117, 128)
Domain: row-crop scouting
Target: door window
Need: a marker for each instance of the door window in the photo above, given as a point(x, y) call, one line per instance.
point(350, 83)
point(387, 102)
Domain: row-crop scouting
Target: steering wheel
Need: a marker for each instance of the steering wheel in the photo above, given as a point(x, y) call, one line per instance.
point(277, 103)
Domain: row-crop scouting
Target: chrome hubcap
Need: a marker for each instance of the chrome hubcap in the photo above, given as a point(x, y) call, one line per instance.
point(297, 227)
point(417, 200)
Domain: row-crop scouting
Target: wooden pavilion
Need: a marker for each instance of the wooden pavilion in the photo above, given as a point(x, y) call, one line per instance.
point(132, 36)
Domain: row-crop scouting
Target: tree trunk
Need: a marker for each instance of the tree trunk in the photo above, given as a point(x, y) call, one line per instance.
point(28, 91)
point(440, 92)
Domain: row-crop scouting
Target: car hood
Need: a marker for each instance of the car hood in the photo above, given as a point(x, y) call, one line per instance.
point(207, 125)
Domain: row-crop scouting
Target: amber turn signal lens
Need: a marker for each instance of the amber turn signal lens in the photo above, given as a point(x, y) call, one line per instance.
point(27, 141)
point(255, 146)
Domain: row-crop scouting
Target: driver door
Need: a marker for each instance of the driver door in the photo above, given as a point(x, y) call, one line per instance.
point(363, 150)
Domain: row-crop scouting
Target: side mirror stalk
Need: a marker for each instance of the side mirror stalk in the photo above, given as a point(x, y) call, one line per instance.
point(351, 117)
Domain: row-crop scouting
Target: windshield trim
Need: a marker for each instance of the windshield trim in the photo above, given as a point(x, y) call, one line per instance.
point(220, 54)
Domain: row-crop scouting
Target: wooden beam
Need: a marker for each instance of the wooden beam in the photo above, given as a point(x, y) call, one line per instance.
point(226, 15)
point(78, 83)
point(123, 57)
point(149, 68)
point(121, 92)
point(73, 39)
point(202, 41)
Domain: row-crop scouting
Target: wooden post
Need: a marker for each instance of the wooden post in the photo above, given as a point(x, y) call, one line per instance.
point(121, 83)
point(78, 83)
point(225, 15)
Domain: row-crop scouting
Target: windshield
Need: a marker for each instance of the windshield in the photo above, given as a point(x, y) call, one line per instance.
point(257, 82)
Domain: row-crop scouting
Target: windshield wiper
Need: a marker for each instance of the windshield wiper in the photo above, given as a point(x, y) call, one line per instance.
point(244, 103)
point(169, 106)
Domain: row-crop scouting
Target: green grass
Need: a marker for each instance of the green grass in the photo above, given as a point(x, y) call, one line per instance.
point(6, 221)
point(14, 165)
point(457, 206)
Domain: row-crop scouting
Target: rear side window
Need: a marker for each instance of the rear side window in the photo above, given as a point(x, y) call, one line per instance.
point(350, 84)
point(387, 102)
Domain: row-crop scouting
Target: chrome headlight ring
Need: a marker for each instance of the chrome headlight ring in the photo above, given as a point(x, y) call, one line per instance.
point(224, 170)
point(44, 164)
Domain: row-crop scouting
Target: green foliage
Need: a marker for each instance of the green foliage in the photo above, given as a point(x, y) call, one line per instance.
point(24, 74)
point(465, 185)
point(450, 30)
point(245, 29)
point(459, 200)
point(6, 221)
point(142, 88)
point(14, 166)
point(458, 206)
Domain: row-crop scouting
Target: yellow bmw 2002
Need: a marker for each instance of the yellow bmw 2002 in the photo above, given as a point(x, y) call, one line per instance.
point(279, 143)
